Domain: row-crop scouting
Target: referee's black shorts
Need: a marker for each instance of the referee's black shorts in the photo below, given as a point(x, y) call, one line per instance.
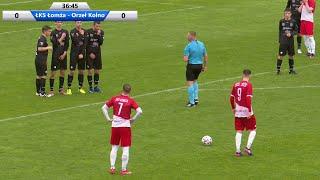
point(41, 66)
point(193, 71)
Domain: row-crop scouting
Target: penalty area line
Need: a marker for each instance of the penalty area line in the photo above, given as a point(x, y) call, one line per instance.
point(138, 96)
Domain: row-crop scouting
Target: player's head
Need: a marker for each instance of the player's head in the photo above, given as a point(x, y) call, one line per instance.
point(246, 73)
point(287, 13)
point(46, 30)
point(58, 24)
point(96, 25)
point(126, 88)
point(78, 24)
point(192, 35)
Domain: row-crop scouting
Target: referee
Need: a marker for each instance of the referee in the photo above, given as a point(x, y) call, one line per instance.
point(41, 61)
point(196, 57)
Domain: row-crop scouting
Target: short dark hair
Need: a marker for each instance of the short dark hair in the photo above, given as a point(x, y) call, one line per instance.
point(126, 88)
point(247, 72)
point(287, 10)
point(193, 33)
point(96, 22)
point(46, 28)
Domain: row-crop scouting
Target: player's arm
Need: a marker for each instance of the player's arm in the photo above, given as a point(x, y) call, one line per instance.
point(105, 108)
point(232, 99)
point(44, 48)
point(249, 100)
point(100, 37)
point(206, 59)
point(309, 8)
point(54, 39)
point(186, 54)
point(105, 112)
point(137, 115)
point(280, 30)
point(41, 48)
point(86, 40)
point(300, 8)
point(66, 42)
point(138, 112)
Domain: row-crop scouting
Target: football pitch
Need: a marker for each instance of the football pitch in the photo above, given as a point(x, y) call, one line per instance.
point(67, 137)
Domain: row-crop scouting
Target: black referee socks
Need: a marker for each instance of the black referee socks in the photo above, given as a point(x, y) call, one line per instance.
point(80, 79)
point(61, 82)
point(279, 63)
point(70, 79)
point(38, 85)
point(89, 81)
point(291, 64)
point(96, 79)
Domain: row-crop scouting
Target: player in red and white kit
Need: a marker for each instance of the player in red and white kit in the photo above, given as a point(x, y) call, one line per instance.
point(307, 9)
point(121, 126)
point(240, 100)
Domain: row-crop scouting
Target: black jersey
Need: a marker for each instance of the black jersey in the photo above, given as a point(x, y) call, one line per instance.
point(94, 40)
point(294, 6)
point(78, 40)
point(287, 27)
point(58, 47)
point(42, 42)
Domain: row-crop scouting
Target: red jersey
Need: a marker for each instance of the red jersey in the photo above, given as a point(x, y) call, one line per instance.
point(241, 99)
point(305, 14)
point(122, 106)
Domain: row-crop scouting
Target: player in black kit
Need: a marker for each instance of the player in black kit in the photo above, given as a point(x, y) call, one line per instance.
point(287, 29)
point(60, 42)
point(41, 61)
point(77, 56)
point(296, 15)
point(94, 38)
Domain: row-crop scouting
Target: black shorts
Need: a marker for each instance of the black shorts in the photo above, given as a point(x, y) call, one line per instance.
point(41, 66)
point(193, 71)
point(75, 61)
point(287, 47)
point(57, 64)
point(94, 63)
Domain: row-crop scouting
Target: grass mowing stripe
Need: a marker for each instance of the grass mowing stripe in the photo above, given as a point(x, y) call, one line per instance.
point(137, 96)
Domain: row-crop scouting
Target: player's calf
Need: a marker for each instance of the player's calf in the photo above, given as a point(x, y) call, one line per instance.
point(279, 63)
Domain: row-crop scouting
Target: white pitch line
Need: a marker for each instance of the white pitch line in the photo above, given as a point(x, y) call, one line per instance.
point(268, 88)
point(137, 96)
point(142, 15)
point(21, 2)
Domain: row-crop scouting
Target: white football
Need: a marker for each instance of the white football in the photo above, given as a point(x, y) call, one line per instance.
point(206, 140)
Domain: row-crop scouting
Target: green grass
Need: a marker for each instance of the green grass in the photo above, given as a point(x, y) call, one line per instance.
point(239, 34)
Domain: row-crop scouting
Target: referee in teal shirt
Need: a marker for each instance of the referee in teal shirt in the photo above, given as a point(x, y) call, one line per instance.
point(196, 57)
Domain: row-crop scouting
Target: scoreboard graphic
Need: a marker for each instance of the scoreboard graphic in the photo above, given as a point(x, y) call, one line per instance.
point(69, 11)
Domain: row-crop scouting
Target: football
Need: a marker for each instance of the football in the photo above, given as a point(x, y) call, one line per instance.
point(206, 140)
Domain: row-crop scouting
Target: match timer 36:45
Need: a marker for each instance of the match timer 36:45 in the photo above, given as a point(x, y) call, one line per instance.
point(70, 11)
